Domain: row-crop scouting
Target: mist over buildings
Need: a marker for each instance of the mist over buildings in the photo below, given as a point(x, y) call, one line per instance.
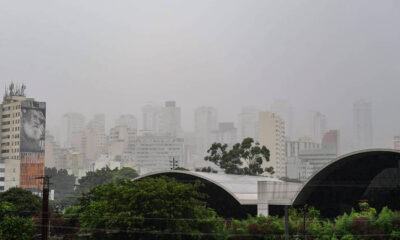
point(116, 57)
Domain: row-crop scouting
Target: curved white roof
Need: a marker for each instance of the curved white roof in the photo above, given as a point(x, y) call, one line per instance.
point(242, 187)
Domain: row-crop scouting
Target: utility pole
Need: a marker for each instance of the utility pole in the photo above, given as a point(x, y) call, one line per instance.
point(174, 163)
point(45, 207)
point(304, 221)
point(286, 222)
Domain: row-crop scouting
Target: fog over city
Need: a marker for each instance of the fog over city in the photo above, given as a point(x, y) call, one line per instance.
point(114, 57)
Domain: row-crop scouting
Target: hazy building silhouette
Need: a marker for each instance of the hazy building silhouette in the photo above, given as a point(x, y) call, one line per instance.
point(316, 126)
point(363, 132)
point(205, 122)
point(226, 134)
point(98, 123)
point(127, 120)
point(72, 124)
point(248, 123)
point(151, 118)
point(170, 119)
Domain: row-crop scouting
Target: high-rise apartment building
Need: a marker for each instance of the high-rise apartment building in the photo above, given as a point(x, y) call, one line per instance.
point(272, 135)
point(170, 120)
point(122, 142)
point(151, 118)
point(363, 130)
point(22, 148)
point(205, 122)
point(159, 152)
point(72, 124)
point(316, 125)
point(284, 110)
point(314, 159)
point(98, 123)
point(248, 123)
point(127, 120)
point(93, 145)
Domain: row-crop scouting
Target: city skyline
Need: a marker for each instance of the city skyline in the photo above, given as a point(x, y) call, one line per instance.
point(114, 62)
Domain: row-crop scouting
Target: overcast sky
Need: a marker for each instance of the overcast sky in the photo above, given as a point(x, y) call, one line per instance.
point(115, 56)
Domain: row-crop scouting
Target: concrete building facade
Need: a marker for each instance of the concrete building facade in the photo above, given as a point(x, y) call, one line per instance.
point(272, 135)
point(156, 152)
point(22, 148)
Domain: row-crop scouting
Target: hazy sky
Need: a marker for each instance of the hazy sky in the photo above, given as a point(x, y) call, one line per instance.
point(115, 56)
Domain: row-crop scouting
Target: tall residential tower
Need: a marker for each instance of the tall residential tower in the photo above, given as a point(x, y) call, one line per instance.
point(22, 135)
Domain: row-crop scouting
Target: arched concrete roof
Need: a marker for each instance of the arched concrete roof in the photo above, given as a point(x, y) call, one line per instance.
point(230, 195)
point(352, 177)
point(194, 174)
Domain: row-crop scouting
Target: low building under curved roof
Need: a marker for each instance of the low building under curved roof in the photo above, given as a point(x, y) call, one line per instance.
point(232, 196)
point(370, 175)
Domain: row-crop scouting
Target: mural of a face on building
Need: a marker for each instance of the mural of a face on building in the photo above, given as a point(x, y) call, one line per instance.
point(33, 130)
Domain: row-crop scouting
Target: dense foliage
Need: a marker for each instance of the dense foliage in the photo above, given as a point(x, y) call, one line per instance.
point(26, 204)
point(12, 226)
point(62, 182)
point(245, 158)
point(358, 225)
point(104, 176)
point(149, 209)
point(95, 178)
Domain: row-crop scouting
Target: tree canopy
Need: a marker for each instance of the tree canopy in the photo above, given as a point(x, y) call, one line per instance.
point(12, 226)
point(62, 182)
point(245, 158)
point(160, 207)
point(104, 176)
point(26, 203)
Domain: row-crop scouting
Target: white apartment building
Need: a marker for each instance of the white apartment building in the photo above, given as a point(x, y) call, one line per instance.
point(272, 135)
point(159, 152)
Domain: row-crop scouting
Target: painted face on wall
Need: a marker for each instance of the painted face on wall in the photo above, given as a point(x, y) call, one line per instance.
point(33, 124)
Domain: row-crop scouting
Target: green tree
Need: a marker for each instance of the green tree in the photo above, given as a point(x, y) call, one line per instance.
point(151, 209)
point(62, 183)
point(104, 176)
point(14, 227)
point(26, 204)
point(245, 158)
